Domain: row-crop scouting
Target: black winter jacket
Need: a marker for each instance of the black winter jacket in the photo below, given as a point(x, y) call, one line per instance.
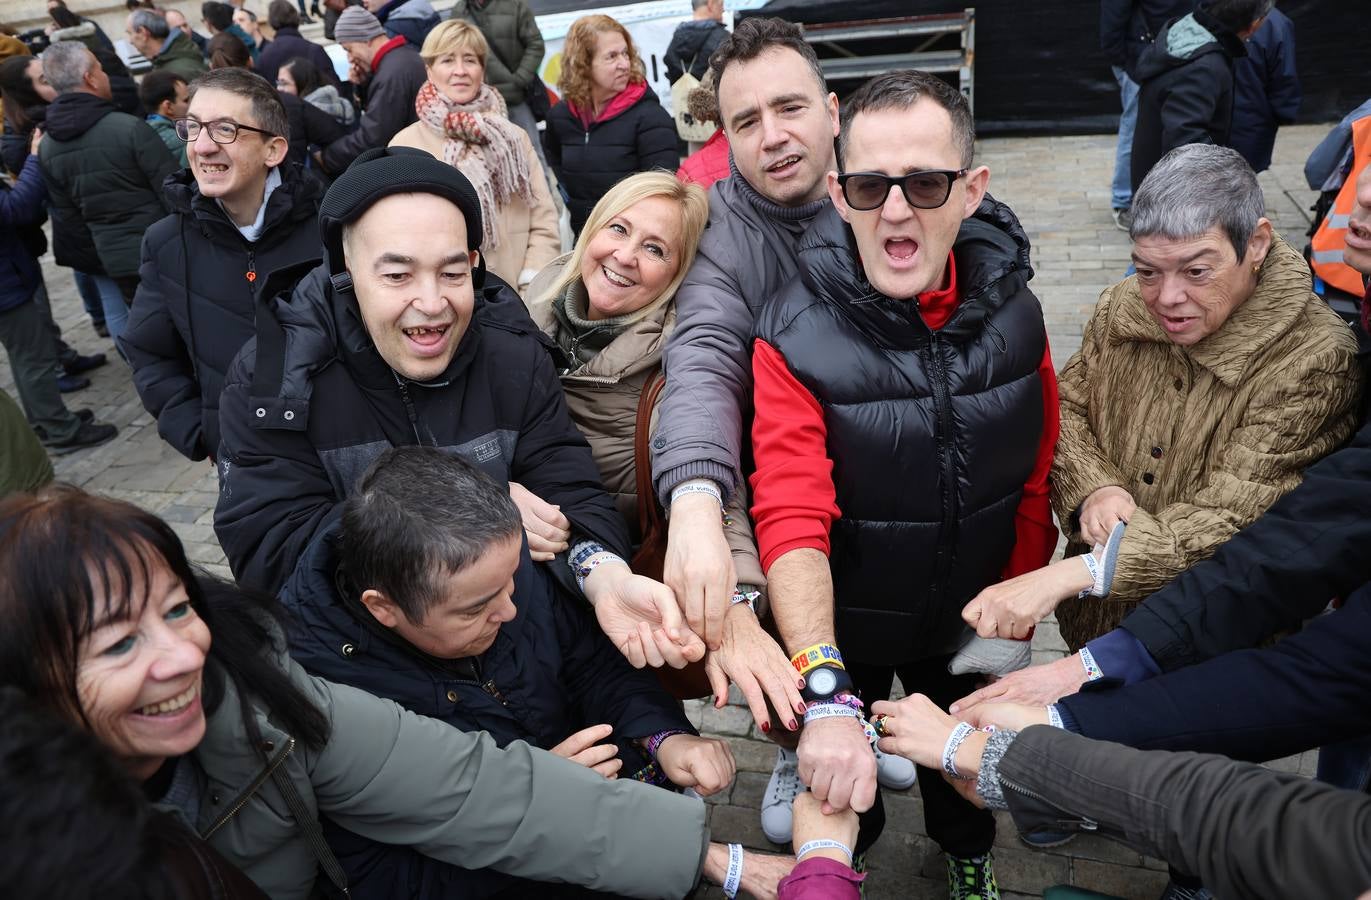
point(104, 171)
point(1311, 545)
point(589, 161)
point(1184, 99)
point(550, 673)
point(194, 309)
point(692, 44)
point(932, 434)
point(1266, 90)
point(309, 404)
point(310, 127)
point(1127, 27)
point(287, 45)
point(389, 107)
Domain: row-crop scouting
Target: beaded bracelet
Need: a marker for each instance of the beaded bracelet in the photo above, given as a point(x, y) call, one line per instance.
point(830, 711)
point(954, 743)
point(734, 878)
point(823, 844)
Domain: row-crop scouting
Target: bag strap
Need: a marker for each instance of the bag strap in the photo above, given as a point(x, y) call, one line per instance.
point(649, 513)
point(314, 835)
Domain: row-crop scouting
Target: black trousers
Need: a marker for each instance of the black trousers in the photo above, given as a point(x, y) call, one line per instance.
point(959, 828)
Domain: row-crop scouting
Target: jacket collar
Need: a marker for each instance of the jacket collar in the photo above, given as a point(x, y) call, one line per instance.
point(1240, 343)
point(392, 44)
point(620, 104)
point(73, 114)
point(295, 200)
point(638, 348)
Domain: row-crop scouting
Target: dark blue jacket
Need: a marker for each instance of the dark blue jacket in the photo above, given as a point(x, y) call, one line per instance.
point(1308, 690)
point(1266, 90)
point(550, 673)
point(20, 206)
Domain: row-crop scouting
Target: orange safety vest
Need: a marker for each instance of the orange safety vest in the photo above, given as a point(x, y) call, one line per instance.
point(1330, 239)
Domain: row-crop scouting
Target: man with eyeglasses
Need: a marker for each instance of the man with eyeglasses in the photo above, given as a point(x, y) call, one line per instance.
point(238, 212)
point(905, 415)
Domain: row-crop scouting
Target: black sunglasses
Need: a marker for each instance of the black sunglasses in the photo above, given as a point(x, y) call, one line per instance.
point(928, 189)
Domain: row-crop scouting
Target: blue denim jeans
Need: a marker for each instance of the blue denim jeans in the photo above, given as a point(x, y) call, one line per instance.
point(1346, 764)
point(116, 310)
point(90, 296)
point(1122, 189)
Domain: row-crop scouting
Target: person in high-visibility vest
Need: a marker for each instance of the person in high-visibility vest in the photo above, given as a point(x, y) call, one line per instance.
point(1334, 245)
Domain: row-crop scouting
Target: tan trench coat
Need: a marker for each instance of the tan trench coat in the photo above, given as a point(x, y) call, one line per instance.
point(1205, 438)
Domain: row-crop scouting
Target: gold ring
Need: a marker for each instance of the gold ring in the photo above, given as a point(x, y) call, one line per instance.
point(878, 723)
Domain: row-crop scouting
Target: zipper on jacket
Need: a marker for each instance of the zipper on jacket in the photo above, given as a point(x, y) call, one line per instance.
point(490, 688)
point(251, 273)
point(409, 409)
point(241, 800)
point(942, 402)
point(1085, 824)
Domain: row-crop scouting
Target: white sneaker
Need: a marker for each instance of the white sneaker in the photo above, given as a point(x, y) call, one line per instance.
point(895, 772)
point(781, 791)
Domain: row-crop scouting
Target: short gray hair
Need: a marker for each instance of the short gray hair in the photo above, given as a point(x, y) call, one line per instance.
point(151, 22)
point(65, 65)
point(1195, 188)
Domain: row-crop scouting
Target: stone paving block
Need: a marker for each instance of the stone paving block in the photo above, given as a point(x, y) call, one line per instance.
point(1030, 871)
point(1101, 849)
point(729, 720)
point(737, 825)
point(752, 756)
point(1126, 882)
point(188, 515)
point(748, 788)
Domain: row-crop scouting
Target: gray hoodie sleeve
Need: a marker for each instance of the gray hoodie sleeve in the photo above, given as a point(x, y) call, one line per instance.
point(400, 778)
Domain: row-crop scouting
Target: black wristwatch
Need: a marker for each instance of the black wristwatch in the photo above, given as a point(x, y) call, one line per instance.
point(822, 682)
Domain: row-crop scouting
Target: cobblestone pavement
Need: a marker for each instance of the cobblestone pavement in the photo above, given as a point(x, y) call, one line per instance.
point(1059, 187)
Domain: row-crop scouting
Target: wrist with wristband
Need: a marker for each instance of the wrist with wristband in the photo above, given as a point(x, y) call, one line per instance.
point(823, 844)
point(1092, 670)
point(734, 878)
point(954, 743)
point(741, 596)
point(818, 711)
point(653, 743)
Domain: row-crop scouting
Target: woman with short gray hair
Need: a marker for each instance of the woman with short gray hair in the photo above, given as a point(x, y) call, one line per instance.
point(1204, 386)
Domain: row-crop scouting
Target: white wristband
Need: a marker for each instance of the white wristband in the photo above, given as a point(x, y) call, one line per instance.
point(954, 742)
point(830, 711)
point(823, 844)
point(734, 878)
point(698, 486)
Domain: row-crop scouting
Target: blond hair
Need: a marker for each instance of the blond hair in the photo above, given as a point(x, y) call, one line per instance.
point(692, 200)
point(578, 54)
point(454, 36)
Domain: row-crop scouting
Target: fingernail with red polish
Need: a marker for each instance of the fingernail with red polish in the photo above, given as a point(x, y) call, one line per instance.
point(766, 728)
point(793, 726)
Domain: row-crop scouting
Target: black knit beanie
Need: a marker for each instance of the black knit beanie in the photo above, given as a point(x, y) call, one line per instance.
point(392, 170)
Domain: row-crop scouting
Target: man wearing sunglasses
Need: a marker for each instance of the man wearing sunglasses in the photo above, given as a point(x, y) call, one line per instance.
point(905, 414)
point(238, 213)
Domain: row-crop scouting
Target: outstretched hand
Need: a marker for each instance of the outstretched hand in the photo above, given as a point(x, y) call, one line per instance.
point(751, 659)
point(641, 618)
point(1035, 686)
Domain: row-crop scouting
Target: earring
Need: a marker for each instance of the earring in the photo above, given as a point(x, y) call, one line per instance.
point(1257, 269)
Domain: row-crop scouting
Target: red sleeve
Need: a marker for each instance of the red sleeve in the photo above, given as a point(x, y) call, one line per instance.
point(1035, 537)
point(793, 500)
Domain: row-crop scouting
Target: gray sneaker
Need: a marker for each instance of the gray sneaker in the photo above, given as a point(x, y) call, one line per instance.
point(781, 791)
point(895, 772)
point(1123, 219)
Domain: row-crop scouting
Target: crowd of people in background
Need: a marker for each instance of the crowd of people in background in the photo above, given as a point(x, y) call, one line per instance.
point(536, 409)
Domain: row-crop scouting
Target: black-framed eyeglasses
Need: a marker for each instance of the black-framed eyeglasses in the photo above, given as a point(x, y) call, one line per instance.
point(221, 131)
point(928, 189)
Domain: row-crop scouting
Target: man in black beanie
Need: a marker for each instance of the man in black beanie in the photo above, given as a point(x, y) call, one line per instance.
point(401, 338)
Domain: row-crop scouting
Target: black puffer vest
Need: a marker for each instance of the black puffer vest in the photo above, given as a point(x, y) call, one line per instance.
point(932, 434)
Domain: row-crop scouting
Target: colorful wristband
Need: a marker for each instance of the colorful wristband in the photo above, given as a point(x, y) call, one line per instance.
point(654, 742)
point(590, 565)
point(734, 878)
point(748, 597)
point(823, 844)
point(815, 656)
point(954, 742)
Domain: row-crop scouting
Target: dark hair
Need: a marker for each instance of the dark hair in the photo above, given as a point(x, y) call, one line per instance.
point(76, 823)
point(1237, 15)
point(132, 5)
point(420, 514)
point(308, 78)
point(20, 101)
point(902, 89)
point(267, 107)
point(218, 16)
point(63, 17)
point(227, 51)
point(158, 86)
point(282, 14)
point(104, 546)
point(249, 13)
point(756, 35)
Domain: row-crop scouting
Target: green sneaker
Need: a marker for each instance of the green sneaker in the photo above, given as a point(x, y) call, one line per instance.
point(972, 879)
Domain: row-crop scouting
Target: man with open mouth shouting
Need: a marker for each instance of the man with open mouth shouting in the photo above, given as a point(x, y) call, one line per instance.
point(905, 415)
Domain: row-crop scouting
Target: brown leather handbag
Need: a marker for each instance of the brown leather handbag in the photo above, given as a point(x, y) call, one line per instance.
point(650, 560)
